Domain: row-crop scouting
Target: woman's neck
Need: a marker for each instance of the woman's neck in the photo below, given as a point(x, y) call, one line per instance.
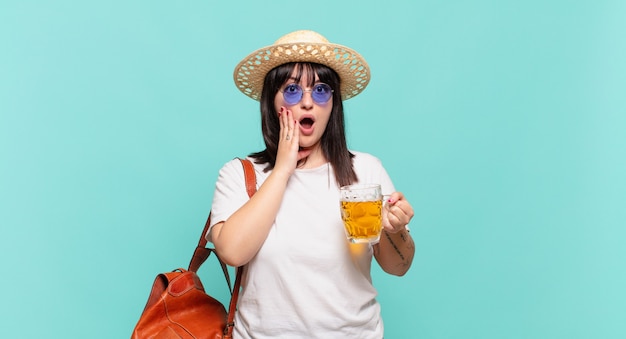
point(313, 160)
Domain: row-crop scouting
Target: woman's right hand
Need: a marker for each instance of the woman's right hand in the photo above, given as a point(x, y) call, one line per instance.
point(287, 156)
point(239, 238)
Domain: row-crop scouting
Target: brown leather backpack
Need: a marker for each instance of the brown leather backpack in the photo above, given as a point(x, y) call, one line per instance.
point(179, 307)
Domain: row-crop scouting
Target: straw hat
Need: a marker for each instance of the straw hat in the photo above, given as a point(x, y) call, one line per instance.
point(303, 46)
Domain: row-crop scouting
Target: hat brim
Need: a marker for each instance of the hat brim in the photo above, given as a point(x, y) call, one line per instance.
point(353, 71)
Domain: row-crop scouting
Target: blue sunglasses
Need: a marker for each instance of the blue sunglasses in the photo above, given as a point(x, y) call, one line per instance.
point(320, 93)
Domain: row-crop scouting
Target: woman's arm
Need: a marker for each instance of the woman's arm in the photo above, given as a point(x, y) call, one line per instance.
point(238, 239)
point(395, 250)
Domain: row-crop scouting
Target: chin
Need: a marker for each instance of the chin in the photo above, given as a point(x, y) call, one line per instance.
point(305, 145)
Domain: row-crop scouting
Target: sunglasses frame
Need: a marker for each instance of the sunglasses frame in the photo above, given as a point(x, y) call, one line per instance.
point(302, 91)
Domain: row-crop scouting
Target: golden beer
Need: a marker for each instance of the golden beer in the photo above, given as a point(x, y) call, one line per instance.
point(362, 219)
point(361, 212)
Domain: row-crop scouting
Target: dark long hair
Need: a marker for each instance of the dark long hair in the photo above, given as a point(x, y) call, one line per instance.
point(333, 141)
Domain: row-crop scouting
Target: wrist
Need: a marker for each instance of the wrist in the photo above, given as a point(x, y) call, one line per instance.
point(398, 231)
point(280, 175)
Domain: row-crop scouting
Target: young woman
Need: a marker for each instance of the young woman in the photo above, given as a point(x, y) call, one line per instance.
point(302, 278)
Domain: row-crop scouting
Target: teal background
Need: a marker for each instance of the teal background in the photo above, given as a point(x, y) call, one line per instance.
point(503, 122)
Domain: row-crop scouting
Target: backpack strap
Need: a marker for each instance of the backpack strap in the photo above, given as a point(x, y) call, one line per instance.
point(201, 252)
point(248, 170)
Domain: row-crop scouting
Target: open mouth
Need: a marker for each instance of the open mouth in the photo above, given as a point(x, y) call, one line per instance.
point(306, 123)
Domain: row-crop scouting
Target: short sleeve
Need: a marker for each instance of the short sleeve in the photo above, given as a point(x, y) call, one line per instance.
point(230, 193)
point(370, 170)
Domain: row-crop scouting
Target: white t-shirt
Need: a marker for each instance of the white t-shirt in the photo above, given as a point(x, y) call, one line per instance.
point(307, 280)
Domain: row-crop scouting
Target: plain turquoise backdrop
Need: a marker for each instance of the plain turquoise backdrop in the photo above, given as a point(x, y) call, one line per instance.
point(503, 122)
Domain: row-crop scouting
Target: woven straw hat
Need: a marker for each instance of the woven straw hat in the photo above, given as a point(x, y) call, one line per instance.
point(303, 46)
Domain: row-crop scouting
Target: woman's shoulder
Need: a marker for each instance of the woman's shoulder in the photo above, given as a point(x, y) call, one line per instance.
point(234, 166)
point(362, 158)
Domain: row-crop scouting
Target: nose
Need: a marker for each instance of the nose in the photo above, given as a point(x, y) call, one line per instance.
point(307, 100)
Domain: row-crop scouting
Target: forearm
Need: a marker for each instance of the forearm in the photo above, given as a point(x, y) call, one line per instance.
point(394, 252)
point(239, 238)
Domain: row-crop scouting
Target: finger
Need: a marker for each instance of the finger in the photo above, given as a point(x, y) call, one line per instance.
point(295, 131)
point(290, 121)
point(398, 199)
point(285, 122)
point(290, 127)
point(394, 215)
point(281, 121)
point(404, 207)
point(395, 197)
point(397, 221)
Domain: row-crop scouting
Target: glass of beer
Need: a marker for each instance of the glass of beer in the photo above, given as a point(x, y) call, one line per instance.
point(361, 212)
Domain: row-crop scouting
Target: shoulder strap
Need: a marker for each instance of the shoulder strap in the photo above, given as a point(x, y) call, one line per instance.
point(201, 253)
point(248, 170)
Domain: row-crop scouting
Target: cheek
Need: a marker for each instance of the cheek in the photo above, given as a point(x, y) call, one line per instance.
point(326, 118)
point(278, 102)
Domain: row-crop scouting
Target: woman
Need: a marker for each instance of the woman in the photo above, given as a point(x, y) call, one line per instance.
point(303, 279)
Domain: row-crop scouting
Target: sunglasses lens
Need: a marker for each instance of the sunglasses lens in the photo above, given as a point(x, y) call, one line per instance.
point(292, 94)
point(321, 93)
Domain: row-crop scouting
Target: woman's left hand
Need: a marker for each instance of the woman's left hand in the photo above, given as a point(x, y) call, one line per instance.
point(397, 213)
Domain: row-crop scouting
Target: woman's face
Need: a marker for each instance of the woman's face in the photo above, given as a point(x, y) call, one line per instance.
point(312, 115)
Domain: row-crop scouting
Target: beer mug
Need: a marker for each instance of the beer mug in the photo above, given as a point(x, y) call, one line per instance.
point(361, 212)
